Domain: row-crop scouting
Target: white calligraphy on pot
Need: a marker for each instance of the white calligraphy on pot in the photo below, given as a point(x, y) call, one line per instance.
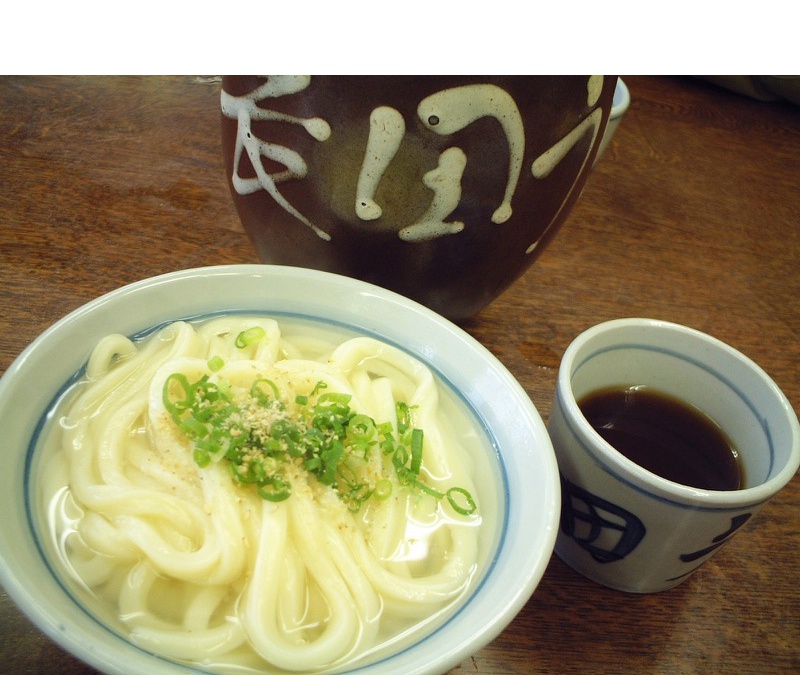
point(245, 109)
point(444, 113)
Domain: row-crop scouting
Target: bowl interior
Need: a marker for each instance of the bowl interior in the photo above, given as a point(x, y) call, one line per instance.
point(520, 460)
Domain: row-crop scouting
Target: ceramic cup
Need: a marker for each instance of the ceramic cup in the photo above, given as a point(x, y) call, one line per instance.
point(632, 530)
point(444, 189)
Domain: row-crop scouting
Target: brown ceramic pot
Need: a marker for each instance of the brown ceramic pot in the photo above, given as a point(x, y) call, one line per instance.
point(443, 189)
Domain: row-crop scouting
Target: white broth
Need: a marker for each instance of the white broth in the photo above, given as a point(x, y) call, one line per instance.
point(251, 494)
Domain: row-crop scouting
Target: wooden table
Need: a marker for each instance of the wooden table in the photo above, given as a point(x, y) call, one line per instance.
point(693, 216)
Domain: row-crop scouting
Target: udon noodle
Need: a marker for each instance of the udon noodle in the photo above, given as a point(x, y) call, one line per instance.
point(203, 567)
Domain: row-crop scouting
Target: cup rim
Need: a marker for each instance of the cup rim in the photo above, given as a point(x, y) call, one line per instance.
point(611, 458)
point(621, 100)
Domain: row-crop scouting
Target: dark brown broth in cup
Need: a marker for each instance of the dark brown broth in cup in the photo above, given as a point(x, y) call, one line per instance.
point(666, 436)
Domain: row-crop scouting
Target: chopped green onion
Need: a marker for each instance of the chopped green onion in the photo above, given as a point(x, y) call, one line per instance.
point(383, 489)
point(257, 390)
point(250, 337)
point(427, 489)
point(317, 387)
point(403, 417)
point(400, 457)
point(261, 439)
point(201, 458)
point(215, 363)
point(416, 451)
point(357, 495)
point(274, 489)
point(361, 428)
point(194, 428)
point(175, 408)
point(466, 496)
point(334, 398)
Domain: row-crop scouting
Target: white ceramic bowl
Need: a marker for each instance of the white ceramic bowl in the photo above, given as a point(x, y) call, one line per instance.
point(530, 498)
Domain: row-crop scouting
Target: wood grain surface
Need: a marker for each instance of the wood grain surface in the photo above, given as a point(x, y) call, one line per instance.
point(692, 216)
